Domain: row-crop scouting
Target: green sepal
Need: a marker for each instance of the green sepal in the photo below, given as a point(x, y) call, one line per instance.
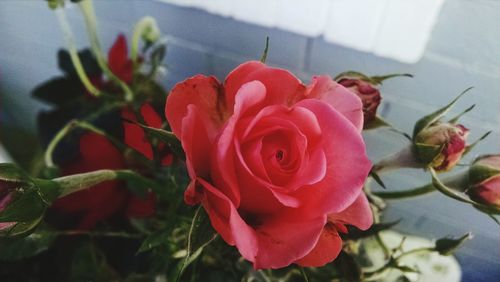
point(26, 205)
point(426, 153)
point(455, 119)
point(54, 4)
point(459, 196)
point(446, 246)
point(13, 174)
point(469, 147)
point(356, 234)
point(375, 80)
point(377, 178)
point(435, 116)
point(479, 173)
point(376, 123)
point(21, 229)
point(263, 58)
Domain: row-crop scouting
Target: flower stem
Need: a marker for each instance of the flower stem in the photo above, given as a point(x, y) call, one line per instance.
point(402, 159)
point(76, 182)
point(145, 25)
point(87, 8)
point(400, 195)
point(458, 182)
point(70, 42)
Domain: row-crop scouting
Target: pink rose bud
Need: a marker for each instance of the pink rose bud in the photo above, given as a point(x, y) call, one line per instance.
point(485, 180)
point(368, 93)
point(450, 141)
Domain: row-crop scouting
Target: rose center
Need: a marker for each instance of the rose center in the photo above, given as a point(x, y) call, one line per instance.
point(279, 155)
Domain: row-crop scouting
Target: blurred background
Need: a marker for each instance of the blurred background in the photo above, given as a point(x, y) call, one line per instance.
point(447, 45)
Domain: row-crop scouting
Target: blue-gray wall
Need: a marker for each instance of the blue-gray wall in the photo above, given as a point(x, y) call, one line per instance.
point(464, 51)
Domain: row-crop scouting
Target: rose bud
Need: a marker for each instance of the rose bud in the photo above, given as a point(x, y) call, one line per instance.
point(447, 142)
point(23, 200)
point(366, 88)
point(484, 176)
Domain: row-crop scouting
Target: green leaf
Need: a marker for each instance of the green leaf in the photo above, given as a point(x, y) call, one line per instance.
point(89, 264)
point(427, 153)
point(200, 235)
point(266, 49)
point(446, 246)
point(471, 146)
point(154, 240)
point(435, 116)
point(13, 249)
point(348, 268)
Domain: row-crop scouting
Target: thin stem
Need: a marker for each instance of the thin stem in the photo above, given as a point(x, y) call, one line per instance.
point(402, 159)
point(49, 162)
point(76, 182)
point(96, 234)
point(458, 182)
point(87, 8)
point(146, 27)
point(411, 193)
point(70, 42)
point(414, 251)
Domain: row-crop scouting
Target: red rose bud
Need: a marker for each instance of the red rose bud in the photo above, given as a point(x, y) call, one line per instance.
point(366, 88)
point(441, 145)
point(484, 177)
point(367, 92)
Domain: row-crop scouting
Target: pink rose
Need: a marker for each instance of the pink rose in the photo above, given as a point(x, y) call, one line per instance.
point(487, 190)
point(278, 165)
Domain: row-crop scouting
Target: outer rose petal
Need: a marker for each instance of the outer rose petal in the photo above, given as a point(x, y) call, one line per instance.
point(358, 214)
point(348, 164)
point(339, 97)
point(282, 86)
point(202, 92)
point(274, 244)
point(326, 250)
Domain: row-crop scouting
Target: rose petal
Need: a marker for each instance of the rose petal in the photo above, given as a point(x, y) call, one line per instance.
point(202, 92)
point(282, 86)
point(283, 240)
point(223, 172)
point(358, 214)
point(339, 97)
point(196, 143)
point(227, 221)
point(347, 162)
point(150, 116)
point(326, 250)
